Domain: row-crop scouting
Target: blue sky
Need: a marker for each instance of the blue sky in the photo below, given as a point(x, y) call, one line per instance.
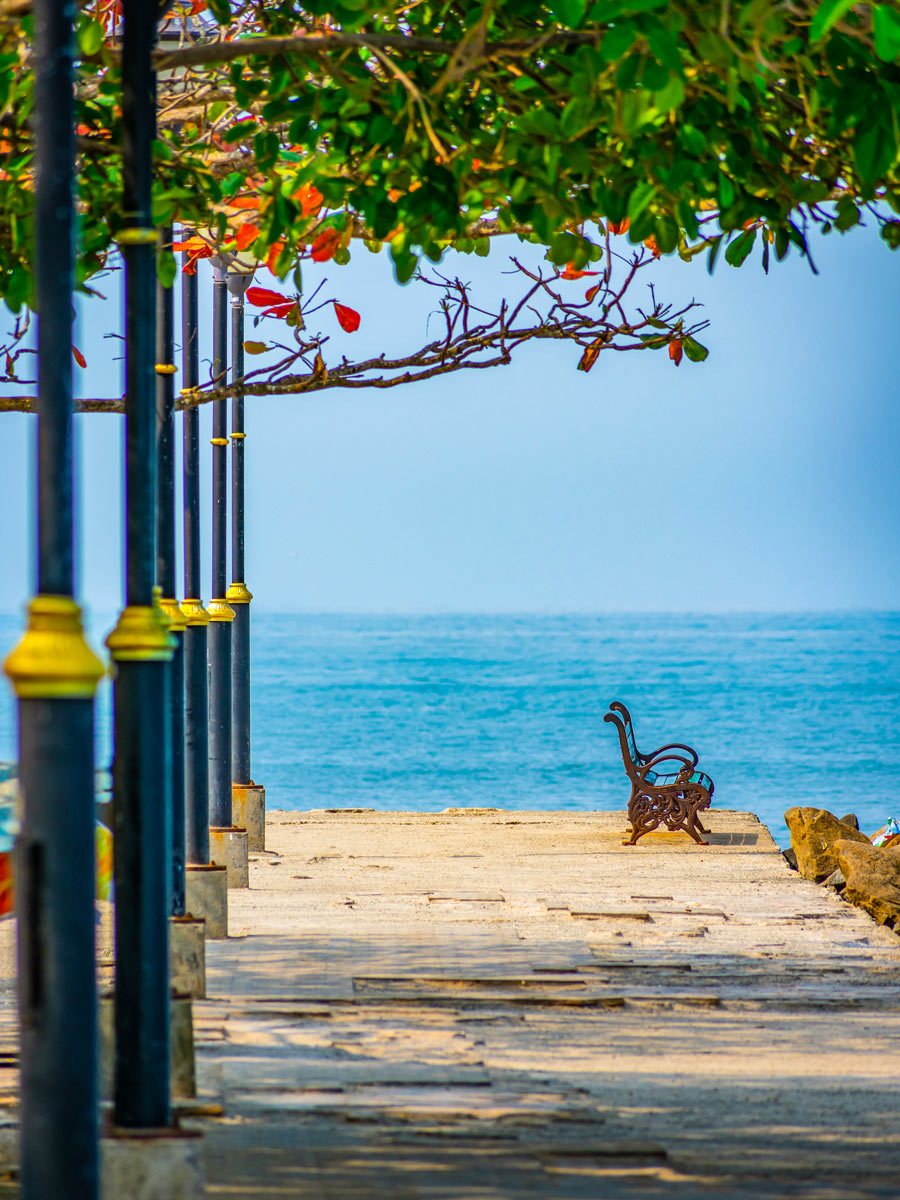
point(765, 478)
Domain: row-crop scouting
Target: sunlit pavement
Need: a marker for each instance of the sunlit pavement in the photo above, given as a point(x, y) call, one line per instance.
point(500, 1004)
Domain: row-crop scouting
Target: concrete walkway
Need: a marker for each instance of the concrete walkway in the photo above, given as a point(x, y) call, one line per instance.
point(484, 1004)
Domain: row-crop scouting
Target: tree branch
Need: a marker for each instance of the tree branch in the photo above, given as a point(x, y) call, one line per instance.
point(321, 43)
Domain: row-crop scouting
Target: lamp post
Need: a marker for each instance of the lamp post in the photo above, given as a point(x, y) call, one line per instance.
point(238, 593)
point(248, 800)
point(166, 568)
point(196, 684)
point(221, 614)
point(140, 645)
point(55, 675)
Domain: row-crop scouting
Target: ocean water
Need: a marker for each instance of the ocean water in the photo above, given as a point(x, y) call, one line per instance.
point(429, 712)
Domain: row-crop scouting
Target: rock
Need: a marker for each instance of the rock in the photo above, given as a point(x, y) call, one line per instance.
point(790, 858)
point(814, 832)
point(836, 880)
point(851, 819)
point(873, 879)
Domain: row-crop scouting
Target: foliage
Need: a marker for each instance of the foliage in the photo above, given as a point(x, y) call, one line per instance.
point(290, 132)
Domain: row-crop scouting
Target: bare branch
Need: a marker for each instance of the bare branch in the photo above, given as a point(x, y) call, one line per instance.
point(473, 338)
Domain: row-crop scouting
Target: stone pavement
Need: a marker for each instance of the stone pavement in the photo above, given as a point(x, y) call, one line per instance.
point(481, 1004)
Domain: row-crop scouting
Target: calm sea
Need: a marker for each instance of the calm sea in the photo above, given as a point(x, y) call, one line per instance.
point(429, 712)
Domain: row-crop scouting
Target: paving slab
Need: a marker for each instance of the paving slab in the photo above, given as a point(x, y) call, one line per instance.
point(477, 1004)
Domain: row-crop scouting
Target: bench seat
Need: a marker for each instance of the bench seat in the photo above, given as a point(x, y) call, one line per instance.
point(666, 780)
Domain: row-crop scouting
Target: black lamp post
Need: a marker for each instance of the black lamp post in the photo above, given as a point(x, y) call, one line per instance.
point(140, 645)
point(239, 595)
point(196, 684)
point(166, 567)
point(221, 614)
point(55, 676)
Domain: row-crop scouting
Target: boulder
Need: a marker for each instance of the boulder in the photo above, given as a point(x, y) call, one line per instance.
point(850, 819)
point(835, 880)
point(873, 879)
point(790, 858)
point(814, 832)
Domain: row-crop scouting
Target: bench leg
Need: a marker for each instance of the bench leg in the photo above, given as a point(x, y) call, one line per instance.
point(643, 817)
point(696, 835)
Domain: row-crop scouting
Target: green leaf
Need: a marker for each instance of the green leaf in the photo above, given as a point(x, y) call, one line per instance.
point(890, 231)
point(666, 233)
point(828, 14)
point(848, 214)
point(166, 268)
point(90, 37)
point(239, 131)
point(874, 149)
point(639, 199)
point(715, 246)
point(694, 350)
point(693, 140)
point(255, 347)
point(617, 41)
point(738, 250)
point(886, 21)
point(642, 227)
point(671, 96)
point(221, 10)
point(405, 262)
point(266, 147)
point(568, 12)
point(562, 248)
point(687, 218)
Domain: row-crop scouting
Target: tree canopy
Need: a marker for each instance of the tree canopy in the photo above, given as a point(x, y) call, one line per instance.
point(296, 132)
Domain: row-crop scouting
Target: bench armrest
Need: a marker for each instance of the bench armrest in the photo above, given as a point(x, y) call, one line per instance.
point(685, 766)
point(694, 757)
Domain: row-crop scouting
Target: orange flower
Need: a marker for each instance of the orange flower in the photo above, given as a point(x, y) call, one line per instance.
point(619, 226)
point(653, 246)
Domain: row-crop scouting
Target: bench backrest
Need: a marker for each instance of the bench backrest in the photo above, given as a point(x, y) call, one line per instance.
point(620, 717)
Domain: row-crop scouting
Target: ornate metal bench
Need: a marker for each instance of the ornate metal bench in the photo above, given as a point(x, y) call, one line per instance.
point(672, 799)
